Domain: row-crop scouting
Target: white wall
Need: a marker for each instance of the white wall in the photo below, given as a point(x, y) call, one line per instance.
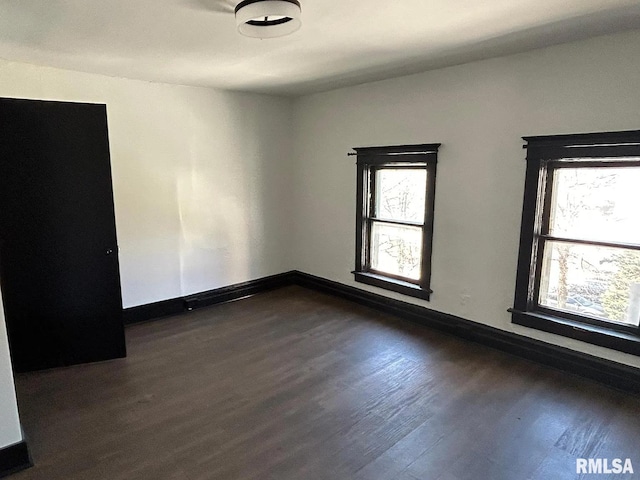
point(200, 178)
point(201, 184)
point(9, 424)
point(479, 112)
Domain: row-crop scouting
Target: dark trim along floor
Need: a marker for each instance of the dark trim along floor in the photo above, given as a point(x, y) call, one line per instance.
point(614, 374)
point(14, 458)
point(174, 306)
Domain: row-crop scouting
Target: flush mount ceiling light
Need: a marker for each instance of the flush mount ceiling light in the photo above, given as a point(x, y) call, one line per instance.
point(268, 18)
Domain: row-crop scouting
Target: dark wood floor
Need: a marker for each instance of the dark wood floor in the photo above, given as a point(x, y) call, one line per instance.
point(293, 384)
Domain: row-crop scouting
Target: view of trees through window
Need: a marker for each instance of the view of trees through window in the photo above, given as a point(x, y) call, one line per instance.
point(599, 204)
point(399, 208)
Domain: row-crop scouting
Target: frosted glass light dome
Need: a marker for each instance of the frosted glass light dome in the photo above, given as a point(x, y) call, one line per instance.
point(268, 18)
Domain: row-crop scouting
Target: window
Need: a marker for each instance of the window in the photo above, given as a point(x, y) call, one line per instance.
point(396, 189)
point(579, 263)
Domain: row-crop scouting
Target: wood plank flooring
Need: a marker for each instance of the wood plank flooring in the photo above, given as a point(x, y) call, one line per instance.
point(294, 384)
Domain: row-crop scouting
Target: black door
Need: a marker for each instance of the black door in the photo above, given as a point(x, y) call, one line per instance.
point(58, 251)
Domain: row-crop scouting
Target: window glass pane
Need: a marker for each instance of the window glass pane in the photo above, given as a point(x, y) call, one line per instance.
point(599, 282)
point(396, 250)
point(400, 194)
point(597, 204)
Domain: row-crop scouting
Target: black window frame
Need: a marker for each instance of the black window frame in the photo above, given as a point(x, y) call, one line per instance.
point(370, 160)
point(546, 154)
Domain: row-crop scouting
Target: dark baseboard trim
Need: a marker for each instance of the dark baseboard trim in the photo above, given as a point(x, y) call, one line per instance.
point(614, 374)
point(239, 290)
point(14, 458)
point(178, 305)
point(152, 311)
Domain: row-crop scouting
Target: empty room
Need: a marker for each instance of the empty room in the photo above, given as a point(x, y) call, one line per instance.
point(319, 239)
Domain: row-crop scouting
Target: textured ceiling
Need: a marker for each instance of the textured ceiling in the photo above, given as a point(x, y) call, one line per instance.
point(341, 42)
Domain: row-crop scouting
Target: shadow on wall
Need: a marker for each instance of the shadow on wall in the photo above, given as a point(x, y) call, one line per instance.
point(230, 194)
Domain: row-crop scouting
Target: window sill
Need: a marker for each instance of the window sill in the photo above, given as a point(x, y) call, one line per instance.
point(392, 284)
point(596, 335)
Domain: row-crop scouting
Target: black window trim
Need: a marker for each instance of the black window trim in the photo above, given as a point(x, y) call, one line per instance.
point(544, 155)
point(370, 159)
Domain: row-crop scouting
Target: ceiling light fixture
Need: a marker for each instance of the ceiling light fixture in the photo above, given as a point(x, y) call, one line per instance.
point(268, 18)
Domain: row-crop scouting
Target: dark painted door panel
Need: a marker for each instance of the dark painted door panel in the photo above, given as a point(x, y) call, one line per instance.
point(58, 250)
